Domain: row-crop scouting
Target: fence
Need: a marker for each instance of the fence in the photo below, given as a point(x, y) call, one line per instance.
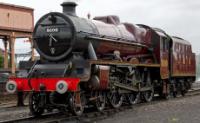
point(2, 88)
point(3, 79)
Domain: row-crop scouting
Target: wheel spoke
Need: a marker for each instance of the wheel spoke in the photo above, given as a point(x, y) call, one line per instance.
point(115, 99)
point(133, 98)
point(34, 102)
point(148, 95)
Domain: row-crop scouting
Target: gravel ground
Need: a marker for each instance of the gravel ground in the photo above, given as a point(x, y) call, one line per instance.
point(9, 110)
point(196, 85)
point(183, 110)
point(13, 113)
point(7, 98)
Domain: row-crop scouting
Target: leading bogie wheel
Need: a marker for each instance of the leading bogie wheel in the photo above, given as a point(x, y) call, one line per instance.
point(77, 103)
point(35, 104)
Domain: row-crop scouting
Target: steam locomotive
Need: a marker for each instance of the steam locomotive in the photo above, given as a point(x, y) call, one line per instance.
point(87, 62)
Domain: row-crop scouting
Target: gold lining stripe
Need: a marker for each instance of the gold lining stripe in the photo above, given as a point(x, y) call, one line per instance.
point(183, 75)
point(104, 62)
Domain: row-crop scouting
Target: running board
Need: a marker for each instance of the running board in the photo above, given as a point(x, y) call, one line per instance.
point(123, 86)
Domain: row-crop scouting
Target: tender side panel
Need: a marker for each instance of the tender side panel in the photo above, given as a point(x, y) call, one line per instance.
point(183, 59)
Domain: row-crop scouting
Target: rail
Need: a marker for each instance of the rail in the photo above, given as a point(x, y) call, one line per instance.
point(90, 115)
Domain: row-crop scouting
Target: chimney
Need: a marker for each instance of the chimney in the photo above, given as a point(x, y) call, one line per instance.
point(69, 8)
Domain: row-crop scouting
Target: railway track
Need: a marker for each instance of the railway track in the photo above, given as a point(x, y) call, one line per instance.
point(90, 114)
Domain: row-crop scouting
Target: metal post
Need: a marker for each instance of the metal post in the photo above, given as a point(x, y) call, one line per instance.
point(12, 51)
point(5, 53)
point(32, 50)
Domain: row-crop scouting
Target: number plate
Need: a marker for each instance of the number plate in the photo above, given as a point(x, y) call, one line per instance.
point(51, 30)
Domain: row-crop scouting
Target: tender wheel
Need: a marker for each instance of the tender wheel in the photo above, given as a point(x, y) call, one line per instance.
point(180, 90)
point(183, 92)
point(115, 99)
point(183, 89)
point(35, 104)
point(173, 89)
point(172, 92)
point(133, 98)
point(175, 94)
point(101, 101)
point(77, 103)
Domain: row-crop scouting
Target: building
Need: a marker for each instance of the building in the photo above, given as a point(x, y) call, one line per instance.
point(16, 22)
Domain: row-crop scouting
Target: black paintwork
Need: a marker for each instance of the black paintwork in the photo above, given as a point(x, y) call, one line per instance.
point(56, 35)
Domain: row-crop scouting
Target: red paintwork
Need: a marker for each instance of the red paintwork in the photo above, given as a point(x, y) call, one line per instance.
point(50, 83)
point(104, 77)
point(125, 49)
point(111, 26)
point(183, 58)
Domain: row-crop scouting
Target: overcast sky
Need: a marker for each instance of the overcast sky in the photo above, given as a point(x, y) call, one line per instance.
point(177, 17)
